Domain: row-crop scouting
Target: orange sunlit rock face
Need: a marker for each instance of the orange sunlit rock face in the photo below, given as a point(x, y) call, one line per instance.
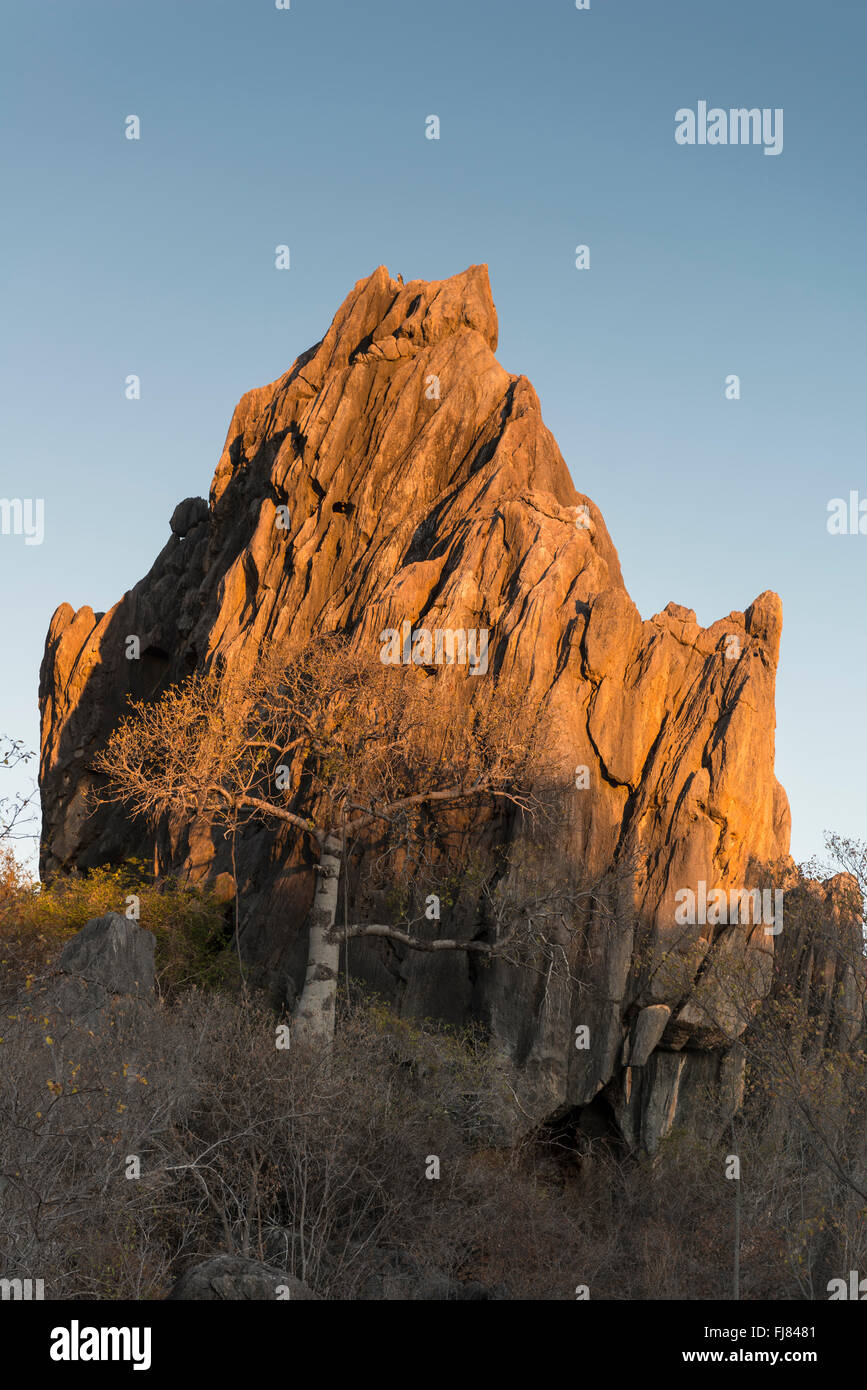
point(398, 472)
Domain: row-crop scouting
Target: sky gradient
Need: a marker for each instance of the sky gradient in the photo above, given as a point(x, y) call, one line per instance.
point(306, 127)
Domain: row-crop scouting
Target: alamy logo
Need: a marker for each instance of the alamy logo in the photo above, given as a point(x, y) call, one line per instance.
point(23, 517)
point(738, 905)
point(76, 1343)
point(421, 647)
point(847, 520)
point(22, 1289)
point(737, 126)
point(857, 1288)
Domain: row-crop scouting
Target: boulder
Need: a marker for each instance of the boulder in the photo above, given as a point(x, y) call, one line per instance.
point(113, 952)
point(187, 514)
point(232, 1278)
point(649, 1028)
point(111, 958)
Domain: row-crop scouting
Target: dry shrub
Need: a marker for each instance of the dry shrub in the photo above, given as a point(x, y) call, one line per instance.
point(193, 939)
point(315, 1160)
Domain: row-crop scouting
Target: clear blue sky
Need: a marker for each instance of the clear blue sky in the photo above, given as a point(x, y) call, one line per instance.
point(306, 127)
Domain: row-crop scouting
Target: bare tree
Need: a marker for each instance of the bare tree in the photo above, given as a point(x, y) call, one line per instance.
point(16, 823)
point(342, 747)
point(16, 812)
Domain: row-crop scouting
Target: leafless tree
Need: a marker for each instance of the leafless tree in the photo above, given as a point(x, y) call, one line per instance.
point(341, 747)
point(16, 812)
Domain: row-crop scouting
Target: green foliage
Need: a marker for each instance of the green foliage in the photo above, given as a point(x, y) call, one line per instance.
point(192, 936)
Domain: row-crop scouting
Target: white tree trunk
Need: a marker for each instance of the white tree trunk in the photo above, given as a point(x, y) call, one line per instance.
point(314, 1019)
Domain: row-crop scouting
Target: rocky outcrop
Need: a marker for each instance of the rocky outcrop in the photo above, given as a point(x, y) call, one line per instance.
point(234, 1279)
point(112, 952)
point(398, 471)
point(816, 956)
point(110, 961)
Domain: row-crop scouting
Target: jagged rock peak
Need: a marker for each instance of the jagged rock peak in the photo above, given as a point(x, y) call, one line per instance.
point(398, 472)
